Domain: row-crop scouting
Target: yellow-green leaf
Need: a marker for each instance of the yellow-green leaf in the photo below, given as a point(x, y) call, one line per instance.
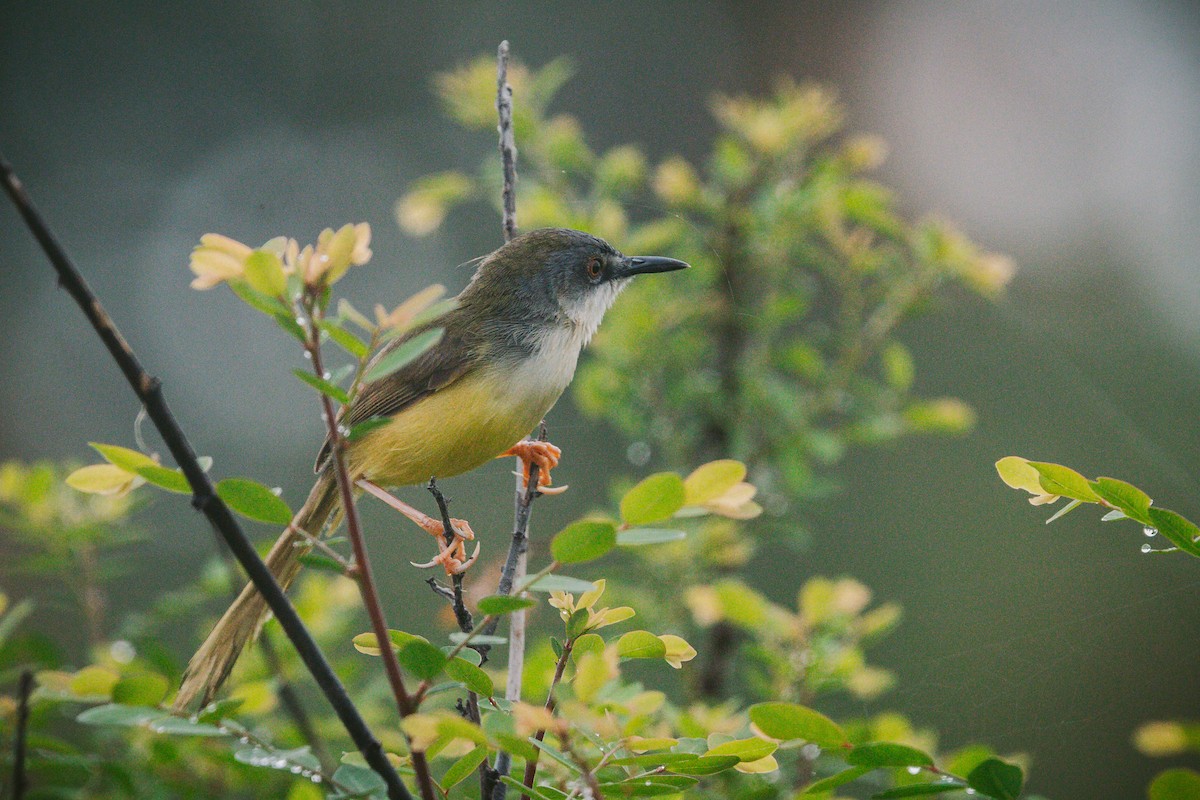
point(123, 457)
point(582, 541)
point(145, 689)
point(710, 481)
point(254, 501)
point(792, 721)
point(100, 479)
point(94, 681)
point(463, 768)
point(641, 644)
point(1064, 481)
point(656, 498)
point(747, 750)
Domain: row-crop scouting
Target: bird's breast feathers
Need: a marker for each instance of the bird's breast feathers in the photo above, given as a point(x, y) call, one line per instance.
point(475, 418)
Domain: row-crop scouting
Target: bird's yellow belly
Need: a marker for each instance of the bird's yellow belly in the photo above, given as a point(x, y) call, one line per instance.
point(452, 431)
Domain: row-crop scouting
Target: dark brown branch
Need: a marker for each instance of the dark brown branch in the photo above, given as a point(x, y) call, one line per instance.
point(24, 689)
point(508, 144)
point(204, 496)
point(461, 614)
point(362, 572)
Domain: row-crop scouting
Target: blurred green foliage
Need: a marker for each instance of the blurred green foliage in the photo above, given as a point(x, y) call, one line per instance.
point(778, 348)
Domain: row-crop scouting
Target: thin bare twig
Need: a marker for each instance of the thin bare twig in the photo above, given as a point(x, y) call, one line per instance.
point(204, 496)
point(508, 144)
point(24, 689)
point(291, 700)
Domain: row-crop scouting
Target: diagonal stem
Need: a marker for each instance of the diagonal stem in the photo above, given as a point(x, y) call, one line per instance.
point(204, 496)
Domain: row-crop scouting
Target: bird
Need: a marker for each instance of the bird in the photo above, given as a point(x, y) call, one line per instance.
point(508, 351)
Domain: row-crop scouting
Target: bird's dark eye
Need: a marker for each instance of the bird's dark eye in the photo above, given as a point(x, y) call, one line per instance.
point(594, 267)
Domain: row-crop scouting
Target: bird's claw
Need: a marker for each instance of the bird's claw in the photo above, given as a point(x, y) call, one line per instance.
point(544, 454)
point(452, 559)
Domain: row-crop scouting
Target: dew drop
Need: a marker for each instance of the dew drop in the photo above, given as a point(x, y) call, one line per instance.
point(914, 770)
point(277, 491)
point(810, 752)
point(296, 769)
point(1149, 531)
point(1146, 548)
point(326, 375)
point(308, 355)
point(315, 778)
point(970, 790)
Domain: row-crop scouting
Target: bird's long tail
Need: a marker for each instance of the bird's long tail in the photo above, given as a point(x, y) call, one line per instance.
point(211, 664)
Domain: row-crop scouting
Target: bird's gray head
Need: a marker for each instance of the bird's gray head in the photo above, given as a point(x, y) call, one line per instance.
point(557, 275)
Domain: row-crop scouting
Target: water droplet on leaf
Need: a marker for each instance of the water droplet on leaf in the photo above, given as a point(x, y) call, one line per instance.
point(1146, 548)
point(1150, 531)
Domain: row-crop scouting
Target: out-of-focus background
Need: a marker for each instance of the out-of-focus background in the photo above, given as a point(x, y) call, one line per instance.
point(1064, 134)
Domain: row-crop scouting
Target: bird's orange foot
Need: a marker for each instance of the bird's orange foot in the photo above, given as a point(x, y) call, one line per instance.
point(453, 556)
point(545, 455)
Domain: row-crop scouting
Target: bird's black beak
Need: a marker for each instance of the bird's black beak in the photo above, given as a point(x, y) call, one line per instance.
point(641, 265)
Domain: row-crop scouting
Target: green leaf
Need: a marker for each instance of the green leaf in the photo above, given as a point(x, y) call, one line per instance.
point(472, 676)
point(13, 619)
point(113, 714)
point(918, 790)
point(93, 681)
point(268, 305)
point(367, 644)
point(219, 709)
point(1124, 496)
point(1179, 530)
point(180, 726)
point(656, 498)
point(997, 779)
point(555, 754)
point(587, 643)
point(408, 351)
point(793, 721)
point(711, 480)
point(366, 426)
point(1060, 480)
point(836, 780)
point(264, 273)
point(648, 786)
point(123, 457)
point(344, 338)
point(323, 386)
point(146, 689)
point(582, 541)
point(254, 501)
point(322, 562)
point(1175, 784)
point(1067, 509)
point(467, 654)
point(277, 759)
point(1018, 473)
point(887, 754)
point(497, 604)
point(636, 537)
point(459, 636)
point(287, 321)
point(165, 478)
point(422, 659)
point(359, 781)
point(462, 768)
point(577, 622)
point(745, 749)
point(560, 583)
point(704, 765)
point(640, 644)
point(516, 785)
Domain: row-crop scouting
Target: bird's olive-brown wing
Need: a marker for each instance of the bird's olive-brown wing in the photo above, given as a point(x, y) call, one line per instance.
point(435, 369)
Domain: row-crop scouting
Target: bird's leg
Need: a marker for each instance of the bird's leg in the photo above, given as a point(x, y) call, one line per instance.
point(453, 556)
point(544, 454)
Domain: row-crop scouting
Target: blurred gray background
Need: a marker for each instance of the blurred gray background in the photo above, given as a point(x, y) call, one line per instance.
point(1064, 134)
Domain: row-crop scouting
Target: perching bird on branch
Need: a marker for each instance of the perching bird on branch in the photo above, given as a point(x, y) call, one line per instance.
point(509, 350)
